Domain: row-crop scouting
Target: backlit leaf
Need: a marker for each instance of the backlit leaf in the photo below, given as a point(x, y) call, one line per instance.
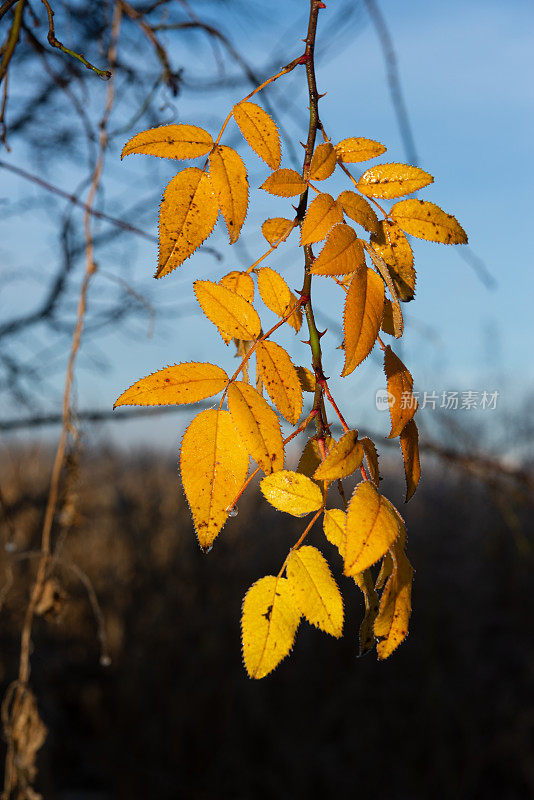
point(391, 624)
point(334, 528)
point(371, 456)
point(277, 295)
point(233, 315)
point(257, 425)
point(323, 162)
point(230, 184)
point(428, 221)
point(260, 132)
point(342, 253)
point(393, 180)
point(343, 459)
point(323, 213)
point(292, 492)
point(388, 325)
point(354, 150)
point(310, 458)
point(364, 307)
point(284, 183)
point(385, 272)
point(280, 379)
point(239, 282)
point(314, 589)
point(214, 466)
point(181, 383)
point(358, 209)
point(306, 378)
point(371, 529)
point(409, 440)
point(392, 245)
point(402, 403)
point(269, 623)
point(277, 229)
point(170, 141)
point(365, 582)
point(187, 216)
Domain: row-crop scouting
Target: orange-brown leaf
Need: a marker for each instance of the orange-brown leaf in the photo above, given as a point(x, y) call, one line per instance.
point(323, 213)
point(260, 132)
point(402, 403)
point(371, 456)
point(170, 141)
point(342, 253)
point(358, 209)
point(323, 162)
point(391, 624)
point(277, 229)
point(364, 307)
point(428, 221)
point(409, 440)
point(393, 180)
point(181, 383)
point(280, 379)
point(394, 248)
point(356, 149)
point(284, 183)
point(230, 184)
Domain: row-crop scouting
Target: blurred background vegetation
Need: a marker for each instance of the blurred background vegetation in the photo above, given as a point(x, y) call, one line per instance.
point(136, 665)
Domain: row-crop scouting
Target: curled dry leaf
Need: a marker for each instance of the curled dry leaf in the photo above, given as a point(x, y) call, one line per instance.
point(402, 403)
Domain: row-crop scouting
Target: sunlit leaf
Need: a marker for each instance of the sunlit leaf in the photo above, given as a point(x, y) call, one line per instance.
point(371, 456)
point(334, 524)
point(306, 378)
point(233, 315)
point(393, 180)
point(391, 624)
point(428, 221)
point(277, 295)
point(230, 184)
point(239, 282)
point(280, 379)
point(354, 150)
point(260, 132)
point(402, 403)
point(323, 162)
point(292, 492)
point(392, 245)
point(344, 457)
point(181, 383)
point(342, 253)
point(358, 209)
point(364, 306)
point(314, 589)
point(284, 183)
point(277, 229)
point(257, 425)
point(323, 213)
point(170, 141)
point(371, 528)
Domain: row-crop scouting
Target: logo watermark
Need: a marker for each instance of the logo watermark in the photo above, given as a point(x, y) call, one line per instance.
point(469, 400)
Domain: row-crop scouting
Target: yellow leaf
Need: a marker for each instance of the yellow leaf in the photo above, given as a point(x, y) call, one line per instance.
point(385, 272)
point(354, 150)
point(392, 245)
point(342, 253)
point(428, 221)
point(371, 529)
point(181, 383)
point(306, 378)
point(292, 492)
point(187, 216)
point(409, 440)
point(214, 466)
point(323, 162)
point(170, 141)
point(393, 180)
point(239, 282)
point(269, 623)
point(260, 132)
point(358, 209)
point(402, 403)
point(280, 379)
point(315, 591)
point(371, 456)
point(257, 425)
point(364, 307)
point(343, 458)
point(365, 582)
point(284, 183)
point(310, 458)
point(277, 229)
point(391, 624)
point(277, 295)
point(229, 180)
point(324, 212)
point(234, 316)
point(334, 528)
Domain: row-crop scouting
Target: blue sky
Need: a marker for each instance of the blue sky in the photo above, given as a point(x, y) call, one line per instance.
point(466, 73)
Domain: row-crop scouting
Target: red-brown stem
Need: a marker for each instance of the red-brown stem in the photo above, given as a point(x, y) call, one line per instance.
point(298, 543)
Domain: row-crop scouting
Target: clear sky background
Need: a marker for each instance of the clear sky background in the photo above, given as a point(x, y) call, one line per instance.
point(466, 72)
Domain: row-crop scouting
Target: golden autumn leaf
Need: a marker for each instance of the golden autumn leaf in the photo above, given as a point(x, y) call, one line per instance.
point(364, 307)
point(323, 213)
point(371, 456)
point(234, 316)
point(214, 466)
point(292, 492)
point(306, 378)
point(284, 183)
point(371, 528)
point(314, 589)
point(358, 209)
point(409, 440)
point(385, 272)
point(402, 403)
point(323, 162)
point(393, 180)
point(187, 216)
point(280, 379)
point(394, 248)
point(170, 141)
point(257, 425)
point(391, 624)
point(356, 149)
point(277, 229)
point(388, 324)
point(310, 458)
point(175, 385)
point(334, 523)
point(344, 457)
point(239, 282)
point(364, 580)
point(342, 253)
point(269, 622)
point(277, 295)
point(428, 221)
point(260, 132)
point(230, 184)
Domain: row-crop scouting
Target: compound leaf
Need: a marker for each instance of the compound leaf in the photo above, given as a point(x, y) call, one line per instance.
point(315, 591)
point(393, 180)
point(257, 425)
point(170, 141)
point(175, 385)
point(260, 132)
